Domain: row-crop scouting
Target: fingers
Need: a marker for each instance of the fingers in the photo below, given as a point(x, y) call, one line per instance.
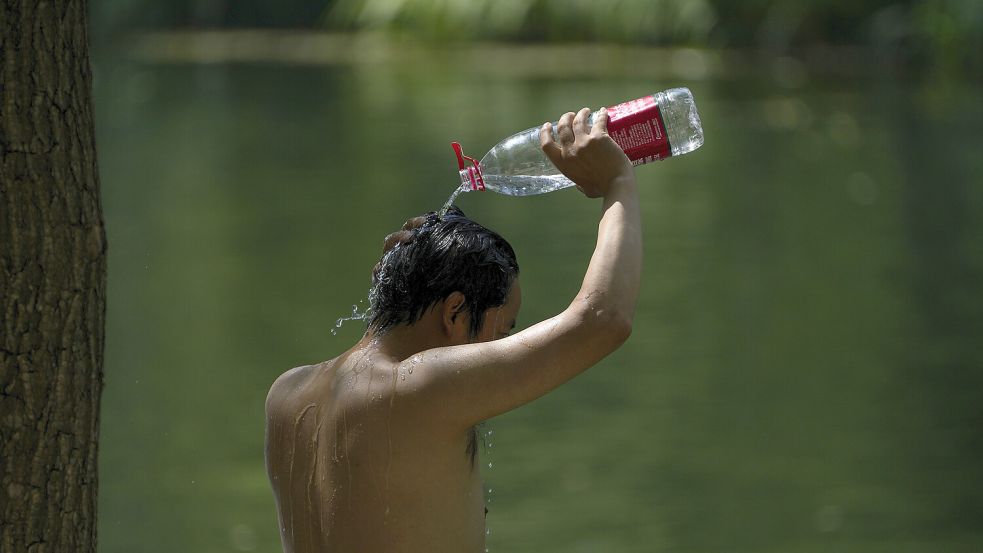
point(580, 124)
point(546, 142)
point(564, 129)
point(398, 237)
point(415, 222)
point(601, 119)
point(569, 128)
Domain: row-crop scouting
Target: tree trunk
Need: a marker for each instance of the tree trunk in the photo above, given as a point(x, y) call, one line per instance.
point(52, 280)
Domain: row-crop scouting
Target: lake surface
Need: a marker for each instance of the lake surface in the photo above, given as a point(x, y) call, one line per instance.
point(806, 368)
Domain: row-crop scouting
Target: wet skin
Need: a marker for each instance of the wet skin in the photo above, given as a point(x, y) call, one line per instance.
point(356, 469)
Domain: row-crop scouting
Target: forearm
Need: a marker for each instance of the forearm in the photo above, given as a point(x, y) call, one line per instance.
point(590, 158)
point(610, 288)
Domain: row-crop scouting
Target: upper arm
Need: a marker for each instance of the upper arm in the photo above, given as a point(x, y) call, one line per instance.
point(464, 385)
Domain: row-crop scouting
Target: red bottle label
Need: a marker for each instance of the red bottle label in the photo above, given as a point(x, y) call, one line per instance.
point(637, 127)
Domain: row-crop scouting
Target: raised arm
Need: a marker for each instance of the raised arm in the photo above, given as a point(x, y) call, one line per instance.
point(600, 168)
point(467, 384)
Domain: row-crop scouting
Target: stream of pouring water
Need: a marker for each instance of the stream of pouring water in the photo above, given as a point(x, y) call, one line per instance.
point(450, 201)
point(361, 315)
point(358, 315)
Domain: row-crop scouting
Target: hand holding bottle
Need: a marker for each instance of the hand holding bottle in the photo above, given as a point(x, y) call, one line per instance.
point(664, 124)
point(585, 153)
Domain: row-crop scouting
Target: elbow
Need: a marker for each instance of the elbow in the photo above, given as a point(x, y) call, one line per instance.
point(620, 328)
point(608, 328)
point(626, 328)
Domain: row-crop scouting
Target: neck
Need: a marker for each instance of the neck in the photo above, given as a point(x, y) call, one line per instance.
point(403, 341)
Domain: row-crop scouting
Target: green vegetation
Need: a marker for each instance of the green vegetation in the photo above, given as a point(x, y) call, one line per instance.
point(920, 32)
point(624, 21)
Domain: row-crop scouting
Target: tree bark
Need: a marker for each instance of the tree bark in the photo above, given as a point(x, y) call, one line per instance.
point(52, 280)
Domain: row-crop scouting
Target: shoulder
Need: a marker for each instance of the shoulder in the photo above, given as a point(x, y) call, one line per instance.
point(282, 386)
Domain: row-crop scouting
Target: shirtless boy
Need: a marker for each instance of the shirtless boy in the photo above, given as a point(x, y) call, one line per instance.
point(374, 451)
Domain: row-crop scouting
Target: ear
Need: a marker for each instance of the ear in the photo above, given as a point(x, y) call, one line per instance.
point(454, 318)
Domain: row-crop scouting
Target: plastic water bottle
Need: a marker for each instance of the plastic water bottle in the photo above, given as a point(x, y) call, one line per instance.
point(648, 129)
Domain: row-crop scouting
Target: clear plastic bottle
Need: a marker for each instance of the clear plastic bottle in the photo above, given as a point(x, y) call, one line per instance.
point(648, 129)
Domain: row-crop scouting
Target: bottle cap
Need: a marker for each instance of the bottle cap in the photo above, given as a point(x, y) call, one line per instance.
point(473, 170)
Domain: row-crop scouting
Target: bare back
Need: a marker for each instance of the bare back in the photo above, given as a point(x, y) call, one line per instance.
point(354, 471)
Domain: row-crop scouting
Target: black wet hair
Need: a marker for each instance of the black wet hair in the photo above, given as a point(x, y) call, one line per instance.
point(433, 257)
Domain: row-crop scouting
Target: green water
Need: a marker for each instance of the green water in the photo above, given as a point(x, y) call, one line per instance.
point(805, 373)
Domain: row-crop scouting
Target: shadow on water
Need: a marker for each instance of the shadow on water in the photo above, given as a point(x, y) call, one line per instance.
point(803, 373)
